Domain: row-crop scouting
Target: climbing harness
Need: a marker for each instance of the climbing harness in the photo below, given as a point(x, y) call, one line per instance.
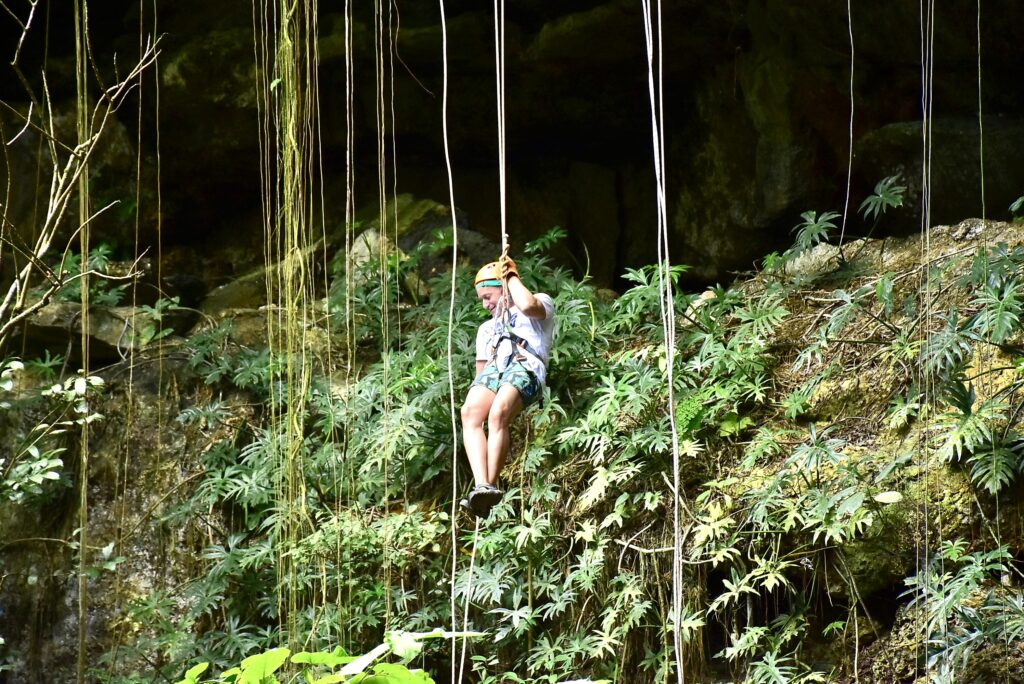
point(518, 349)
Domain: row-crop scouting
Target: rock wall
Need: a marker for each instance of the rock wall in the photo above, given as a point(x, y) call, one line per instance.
point(756, 109)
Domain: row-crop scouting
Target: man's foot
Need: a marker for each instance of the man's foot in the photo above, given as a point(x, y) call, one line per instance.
point(483, 498)
point(464, 505)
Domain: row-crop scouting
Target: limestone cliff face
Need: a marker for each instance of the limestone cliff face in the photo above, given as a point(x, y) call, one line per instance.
point(756, 113)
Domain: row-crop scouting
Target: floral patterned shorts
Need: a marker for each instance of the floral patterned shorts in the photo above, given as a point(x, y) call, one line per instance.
point(514, 374)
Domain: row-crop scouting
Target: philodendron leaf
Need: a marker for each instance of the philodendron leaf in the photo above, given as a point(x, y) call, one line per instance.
point(192, 675)
point(258, 667)
point(390, 673)
point(331, 659)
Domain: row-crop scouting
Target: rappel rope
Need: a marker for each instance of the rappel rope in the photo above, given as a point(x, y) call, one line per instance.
point(842, 236)
point(468, 596)
point(499, 33)
point(499, 61)
point(652, 24)
point(849, 159)
point(499, 80)
point(451, 323)
point(923, 555)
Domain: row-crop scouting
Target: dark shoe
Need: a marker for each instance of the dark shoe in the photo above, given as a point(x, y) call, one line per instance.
point(464, 505)
point(483, 498)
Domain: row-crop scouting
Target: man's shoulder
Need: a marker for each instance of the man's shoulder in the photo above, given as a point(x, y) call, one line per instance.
point(549, 305)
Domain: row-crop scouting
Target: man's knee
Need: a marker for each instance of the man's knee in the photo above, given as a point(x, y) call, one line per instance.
point(502, 411)
point(473, 414)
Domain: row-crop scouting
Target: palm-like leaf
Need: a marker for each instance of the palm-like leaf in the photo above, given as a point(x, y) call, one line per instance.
point(887, 194)
point(1000, 311)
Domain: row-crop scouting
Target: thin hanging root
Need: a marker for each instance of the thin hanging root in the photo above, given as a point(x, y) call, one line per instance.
point(84, 134)
point(288, 116)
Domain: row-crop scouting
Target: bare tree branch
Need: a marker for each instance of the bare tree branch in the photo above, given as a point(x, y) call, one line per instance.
point(66, 174)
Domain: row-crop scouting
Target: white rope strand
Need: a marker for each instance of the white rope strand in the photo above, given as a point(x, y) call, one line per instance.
point(981, 128)
point(927, 18)
point(451, 323)
point(467, 598)
point(849, 159)
point(667, 307)
point(499, 66)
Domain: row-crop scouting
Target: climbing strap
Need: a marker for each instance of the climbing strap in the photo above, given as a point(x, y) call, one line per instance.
point(519, 345)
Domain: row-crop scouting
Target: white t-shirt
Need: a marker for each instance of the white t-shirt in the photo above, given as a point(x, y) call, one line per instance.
point(537, 332)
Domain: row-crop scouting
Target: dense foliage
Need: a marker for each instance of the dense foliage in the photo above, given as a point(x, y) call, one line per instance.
point(825, 409)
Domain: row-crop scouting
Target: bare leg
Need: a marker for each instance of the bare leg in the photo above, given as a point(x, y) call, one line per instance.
point(474, 412)
point(505, 406)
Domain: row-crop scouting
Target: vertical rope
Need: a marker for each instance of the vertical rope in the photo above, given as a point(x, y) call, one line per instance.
point(159, 225)
point(923, 547)
point(468, 598)
point(653, 36)
point(984, 238)
point(849, 159)
point(499, 66)
point(981, 128)
point(335, 628)
point(451, 323)
point(393, 25)
point(499, 80)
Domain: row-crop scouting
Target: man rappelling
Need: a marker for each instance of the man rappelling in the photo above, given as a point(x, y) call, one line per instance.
point(512, 351)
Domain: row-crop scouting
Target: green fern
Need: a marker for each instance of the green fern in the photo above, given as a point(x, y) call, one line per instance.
point(546, 241)
point(969, 427)
point(813, 230)
point(761, 316)
point(1001, 305)
point(884, 294)
point(949, 347)
point(993, 266)
point(849, 304)
point(993, 466)
point(902, 410)
point(818, 450)
point(689, 413)
point(772, 669)
point(887, 194)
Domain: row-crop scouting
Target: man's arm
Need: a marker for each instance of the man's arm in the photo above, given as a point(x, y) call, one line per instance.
point(480, 366)
point(524, 299)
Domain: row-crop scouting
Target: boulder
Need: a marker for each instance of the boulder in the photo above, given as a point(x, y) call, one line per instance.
point(113, 331)
point(896, 149)
point(250, 291)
